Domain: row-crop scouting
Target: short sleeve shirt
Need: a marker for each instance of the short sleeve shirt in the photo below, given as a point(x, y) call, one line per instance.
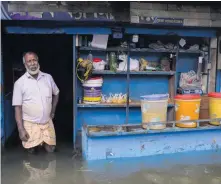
point(35, 96)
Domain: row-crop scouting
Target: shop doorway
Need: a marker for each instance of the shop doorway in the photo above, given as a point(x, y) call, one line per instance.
point(56, 58)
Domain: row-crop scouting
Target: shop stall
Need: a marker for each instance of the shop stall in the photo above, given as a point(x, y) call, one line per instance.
point(150, 94)
point(139, 90)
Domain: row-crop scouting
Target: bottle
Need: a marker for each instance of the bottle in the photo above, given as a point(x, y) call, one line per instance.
point(107, 66)
point(90, 57)
point(113, 62)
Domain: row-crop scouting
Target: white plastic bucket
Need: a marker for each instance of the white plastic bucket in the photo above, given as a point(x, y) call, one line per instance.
point(92, 90)
point(154, 109)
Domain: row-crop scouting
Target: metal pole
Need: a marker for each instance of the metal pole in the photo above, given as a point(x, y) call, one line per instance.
point(74, 93)
point(128, 86)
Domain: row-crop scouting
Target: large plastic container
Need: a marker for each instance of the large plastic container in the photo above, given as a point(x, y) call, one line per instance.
point(92, 90)
point(187, 107)
point(154, 109)
point(215, 107)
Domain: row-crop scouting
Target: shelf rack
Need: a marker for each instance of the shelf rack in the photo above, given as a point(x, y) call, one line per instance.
point(171, 76)
point(170, 105)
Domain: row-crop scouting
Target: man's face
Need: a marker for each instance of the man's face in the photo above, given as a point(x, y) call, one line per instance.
point(31, 64)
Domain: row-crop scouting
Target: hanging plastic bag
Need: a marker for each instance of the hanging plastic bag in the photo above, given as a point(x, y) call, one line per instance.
point(189, 80)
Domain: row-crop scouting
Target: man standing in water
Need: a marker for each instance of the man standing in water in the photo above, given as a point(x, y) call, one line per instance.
point(35, 98)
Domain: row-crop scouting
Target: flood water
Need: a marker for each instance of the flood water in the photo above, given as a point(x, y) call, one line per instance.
point(63, 168)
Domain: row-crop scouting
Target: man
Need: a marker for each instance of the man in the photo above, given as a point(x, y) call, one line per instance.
point(35, 98)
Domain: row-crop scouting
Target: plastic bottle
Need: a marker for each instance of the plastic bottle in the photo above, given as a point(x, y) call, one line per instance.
point(90, 57)
point(113, 62)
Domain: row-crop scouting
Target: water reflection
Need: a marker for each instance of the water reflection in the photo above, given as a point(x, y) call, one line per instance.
point(41, 171)
point(61, 168)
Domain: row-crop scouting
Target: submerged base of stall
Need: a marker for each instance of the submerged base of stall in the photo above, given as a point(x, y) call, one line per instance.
point(108, 142)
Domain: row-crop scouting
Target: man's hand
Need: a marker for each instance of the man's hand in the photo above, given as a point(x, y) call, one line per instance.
point(52, 116)
point(23, 134)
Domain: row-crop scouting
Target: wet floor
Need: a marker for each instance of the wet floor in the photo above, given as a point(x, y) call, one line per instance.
point(62, 168)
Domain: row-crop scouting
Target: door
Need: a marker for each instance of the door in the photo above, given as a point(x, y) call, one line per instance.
point(218, 77)
point(1, 100)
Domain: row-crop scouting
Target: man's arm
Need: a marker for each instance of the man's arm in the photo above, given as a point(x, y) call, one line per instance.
point(18, 117)
point(55, 97)
point(17, 103)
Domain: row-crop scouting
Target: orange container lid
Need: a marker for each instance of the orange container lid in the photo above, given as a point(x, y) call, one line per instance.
point(214, 95)
point(187, 97)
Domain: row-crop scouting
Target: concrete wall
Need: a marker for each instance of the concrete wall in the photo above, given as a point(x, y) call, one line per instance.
point(203, 16)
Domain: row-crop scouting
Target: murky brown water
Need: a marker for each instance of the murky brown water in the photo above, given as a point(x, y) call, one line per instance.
point(62, 168)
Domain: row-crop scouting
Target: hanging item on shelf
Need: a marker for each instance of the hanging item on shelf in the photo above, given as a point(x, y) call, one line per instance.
point(182, 42)
point(87, 67)
point(189, 81)
point(135, 38)
point(200, 68)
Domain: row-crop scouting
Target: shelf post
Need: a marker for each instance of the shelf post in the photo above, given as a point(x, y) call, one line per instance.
point(74, 93)
point(213, 61)
point(128, 87)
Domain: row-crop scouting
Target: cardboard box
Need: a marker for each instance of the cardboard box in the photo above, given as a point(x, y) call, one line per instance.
point(204, 102)
point(204, 107)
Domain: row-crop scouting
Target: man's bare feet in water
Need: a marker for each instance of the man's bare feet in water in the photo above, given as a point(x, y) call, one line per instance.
point(49, 148)
point(33, 150)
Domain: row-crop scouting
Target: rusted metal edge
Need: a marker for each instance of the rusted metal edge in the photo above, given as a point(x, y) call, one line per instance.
point(120, 130)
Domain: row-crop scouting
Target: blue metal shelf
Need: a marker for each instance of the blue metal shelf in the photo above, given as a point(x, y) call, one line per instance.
point(165, 51)
point(100, 105)
point(110, 49)
point(108, 72)
point(111, 105)
point(115, 49)
point(153, 73)
point(151, 50)
point(134, 72)
point(143, 131)
point(190, 51)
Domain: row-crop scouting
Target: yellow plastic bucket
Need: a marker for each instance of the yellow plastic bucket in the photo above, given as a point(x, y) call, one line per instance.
point(215, 107)
point(187, 107)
